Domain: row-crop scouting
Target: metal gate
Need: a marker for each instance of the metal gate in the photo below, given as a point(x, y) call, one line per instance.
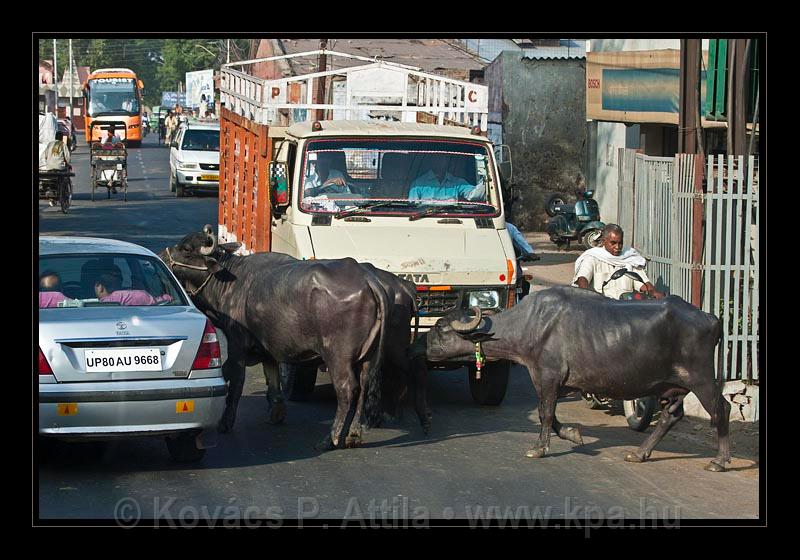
point(626, 203)
point(662, 199)
point(731, 264)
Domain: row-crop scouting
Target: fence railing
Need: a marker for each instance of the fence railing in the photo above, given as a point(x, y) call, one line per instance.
point(656, 204)
point(731, 266)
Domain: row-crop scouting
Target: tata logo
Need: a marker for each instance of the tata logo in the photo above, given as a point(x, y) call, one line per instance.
point(416, 278)
point(121, 326)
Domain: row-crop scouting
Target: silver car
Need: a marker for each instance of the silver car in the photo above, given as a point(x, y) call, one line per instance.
point(122, 349)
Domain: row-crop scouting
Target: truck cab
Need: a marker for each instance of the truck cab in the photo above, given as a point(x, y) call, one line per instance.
point(415, 191)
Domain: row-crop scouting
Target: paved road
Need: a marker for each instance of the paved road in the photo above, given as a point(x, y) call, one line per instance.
point(472, 465)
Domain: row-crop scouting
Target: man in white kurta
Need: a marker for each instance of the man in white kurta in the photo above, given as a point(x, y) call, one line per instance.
point(596, 265)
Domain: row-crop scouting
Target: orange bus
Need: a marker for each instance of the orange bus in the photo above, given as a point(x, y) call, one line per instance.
point(113, 94)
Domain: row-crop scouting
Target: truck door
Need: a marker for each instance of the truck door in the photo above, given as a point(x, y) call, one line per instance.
point(282, 235)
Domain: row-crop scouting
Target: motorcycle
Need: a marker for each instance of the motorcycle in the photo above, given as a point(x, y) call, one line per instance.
point(577, 222)
point(638, 412)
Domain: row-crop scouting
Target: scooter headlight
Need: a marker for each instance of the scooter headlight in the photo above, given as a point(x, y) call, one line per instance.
point(487, 299)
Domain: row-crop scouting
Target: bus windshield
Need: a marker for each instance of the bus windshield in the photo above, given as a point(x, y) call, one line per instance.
point(407, 177)
point(113, 96)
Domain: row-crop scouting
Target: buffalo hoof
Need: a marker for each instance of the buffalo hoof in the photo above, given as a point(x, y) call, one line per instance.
point(277, 413)
point(715, 467)
point(325, 445)
point(536, 453)
point(634, 458)
point(573, 435)
point(353, 441)
point(426, 426)
point(226, 424)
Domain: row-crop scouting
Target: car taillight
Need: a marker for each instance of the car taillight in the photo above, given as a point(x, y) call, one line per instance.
point(208, 355)
point(44, 367)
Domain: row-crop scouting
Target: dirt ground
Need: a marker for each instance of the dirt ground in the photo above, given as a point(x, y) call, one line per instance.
point(556, 268)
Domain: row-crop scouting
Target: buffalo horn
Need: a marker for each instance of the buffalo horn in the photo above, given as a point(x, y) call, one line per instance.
point(461, 327)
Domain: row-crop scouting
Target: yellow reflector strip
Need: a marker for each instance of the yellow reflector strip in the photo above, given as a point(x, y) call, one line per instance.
point(440, 288)
point(67, 409)
point(184, 407)
point(510, 268)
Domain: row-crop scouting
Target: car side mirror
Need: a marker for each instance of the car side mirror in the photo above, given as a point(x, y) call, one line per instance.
point(279, 188)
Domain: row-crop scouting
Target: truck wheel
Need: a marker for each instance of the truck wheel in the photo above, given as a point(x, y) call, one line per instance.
point(298, 381)
point(639, 412)
point(490, 389)
point(183, 448)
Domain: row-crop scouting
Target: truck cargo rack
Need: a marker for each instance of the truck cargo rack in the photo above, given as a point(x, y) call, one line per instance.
point(376, 90)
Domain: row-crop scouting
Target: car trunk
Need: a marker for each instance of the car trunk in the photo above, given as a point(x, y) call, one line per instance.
point(120, 343)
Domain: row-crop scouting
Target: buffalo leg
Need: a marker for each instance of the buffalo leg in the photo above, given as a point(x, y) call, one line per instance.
point(548, 393)
point(567, 432)
point(710, 396)
point(354, 434)
point(671, 413)
point(233, 370)
point(276, 403)
point(419, 378)
point(345, 384)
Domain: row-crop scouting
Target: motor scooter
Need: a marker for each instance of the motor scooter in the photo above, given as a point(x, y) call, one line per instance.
point(577, 222)
point(638, 412)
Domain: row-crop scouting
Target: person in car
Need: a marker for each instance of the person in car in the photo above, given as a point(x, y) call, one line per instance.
point(439, 184)
point(50, 294)
point(107, 288)
point(325, 178)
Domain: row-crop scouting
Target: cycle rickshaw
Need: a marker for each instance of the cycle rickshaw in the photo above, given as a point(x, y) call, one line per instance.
point(56, 186)
point(109, 162)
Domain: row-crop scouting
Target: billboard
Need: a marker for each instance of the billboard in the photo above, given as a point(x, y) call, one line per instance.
point(636, 86)
point(198, 84)
point(170, 99)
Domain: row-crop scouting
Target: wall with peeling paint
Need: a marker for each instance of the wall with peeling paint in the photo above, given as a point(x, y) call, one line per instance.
point(543, 105)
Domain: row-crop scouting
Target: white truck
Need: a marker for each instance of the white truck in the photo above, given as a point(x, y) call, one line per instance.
point(377, 183)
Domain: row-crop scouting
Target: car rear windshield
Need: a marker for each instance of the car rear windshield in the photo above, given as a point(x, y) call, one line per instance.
point(201, 141)
point(101, 280)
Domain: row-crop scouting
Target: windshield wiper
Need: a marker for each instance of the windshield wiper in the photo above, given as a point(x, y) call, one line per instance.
point(361, 209)
point(440, 209)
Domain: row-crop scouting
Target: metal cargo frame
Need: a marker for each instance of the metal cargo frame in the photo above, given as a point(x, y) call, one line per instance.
point(420, 97)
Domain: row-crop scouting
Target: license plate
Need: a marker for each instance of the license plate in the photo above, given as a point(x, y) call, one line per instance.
point(133, 359)
point(209, 177)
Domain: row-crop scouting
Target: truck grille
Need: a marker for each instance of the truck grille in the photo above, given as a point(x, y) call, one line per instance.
point(209, 166)
point(438, 302)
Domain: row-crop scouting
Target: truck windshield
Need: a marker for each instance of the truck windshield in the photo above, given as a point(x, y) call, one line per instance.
point(398, 177)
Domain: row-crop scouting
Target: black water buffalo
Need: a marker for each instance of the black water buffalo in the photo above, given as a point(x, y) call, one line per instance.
point(572, 339)
point(403, 366)
point(274, 308)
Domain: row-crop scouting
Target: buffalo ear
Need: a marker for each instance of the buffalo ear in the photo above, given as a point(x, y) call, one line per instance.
point(230, 247)
point(213, 265)
point(475, 336)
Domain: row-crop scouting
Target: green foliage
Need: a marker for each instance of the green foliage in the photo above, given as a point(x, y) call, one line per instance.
point(160, 63)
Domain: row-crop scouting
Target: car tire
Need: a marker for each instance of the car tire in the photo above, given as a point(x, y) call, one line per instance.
point(180, 190)
point(490, 389)
point(298, 381)
point(183, 448)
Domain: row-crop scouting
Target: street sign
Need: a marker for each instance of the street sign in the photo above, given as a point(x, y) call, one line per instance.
point(170, 99)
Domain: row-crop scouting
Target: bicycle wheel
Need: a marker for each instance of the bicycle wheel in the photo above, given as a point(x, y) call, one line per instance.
point(65, 194)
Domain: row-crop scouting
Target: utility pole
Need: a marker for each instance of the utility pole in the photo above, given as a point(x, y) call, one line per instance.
point(322, 66)
point(55, 73)
point(690, 142)
point(738, 94)
point(70, 79)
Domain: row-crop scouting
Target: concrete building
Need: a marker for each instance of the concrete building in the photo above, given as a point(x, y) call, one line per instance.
point(537, 107)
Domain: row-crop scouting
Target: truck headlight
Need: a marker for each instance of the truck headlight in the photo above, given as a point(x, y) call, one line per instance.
point(489, 299)
point(188, 166)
